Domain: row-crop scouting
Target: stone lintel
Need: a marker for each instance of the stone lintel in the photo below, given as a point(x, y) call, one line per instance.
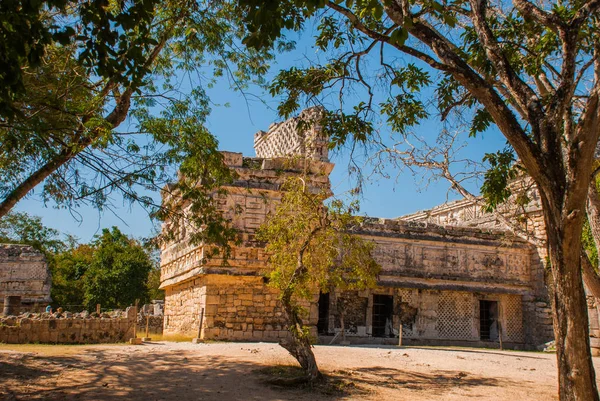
point(446, 285)
point(417, 232)
point(198, 271)
point(232, 159)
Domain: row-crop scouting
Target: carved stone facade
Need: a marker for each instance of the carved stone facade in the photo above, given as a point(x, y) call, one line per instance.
point(439, 284)
point(284, 139)
point(24, 273)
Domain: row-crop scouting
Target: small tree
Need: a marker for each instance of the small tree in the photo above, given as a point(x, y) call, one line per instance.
point(118, 273)
point(312, 245)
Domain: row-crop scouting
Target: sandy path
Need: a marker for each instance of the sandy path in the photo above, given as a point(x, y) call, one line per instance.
point(228, 371)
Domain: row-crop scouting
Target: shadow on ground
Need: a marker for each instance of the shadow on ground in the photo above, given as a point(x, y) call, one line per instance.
point(105, 376)
point(131, 374)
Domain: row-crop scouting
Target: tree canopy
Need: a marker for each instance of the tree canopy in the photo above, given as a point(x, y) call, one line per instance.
point(21, 228)
point(118, 273)
point(105, 100)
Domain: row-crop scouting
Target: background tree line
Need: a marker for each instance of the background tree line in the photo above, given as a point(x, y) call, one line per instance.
point(112, 270)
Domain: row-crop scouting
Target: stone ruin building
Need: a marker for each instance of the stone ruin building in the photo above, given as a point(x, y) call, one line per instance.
point(24, 277)
point(443, 283)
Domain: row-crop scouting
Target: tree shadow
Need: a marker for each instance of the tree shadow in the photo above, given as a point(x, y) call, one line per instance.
point(147, 375)
point(102, 375)
point(435, 381)
point(501, 353)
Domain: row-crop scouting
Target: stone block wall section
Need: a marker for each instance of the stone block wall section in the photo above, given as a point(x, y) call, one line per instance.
point(443, 317)
point(444, 269)
point(72, 330)
point(529, 217)
point(155, 324)
point(238, 308)
point(255, 193)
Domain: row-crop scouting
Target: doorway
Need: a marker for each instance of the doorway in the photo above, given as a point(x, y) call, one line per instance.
point(323, 322)
point(488, 320)
point(383, 312)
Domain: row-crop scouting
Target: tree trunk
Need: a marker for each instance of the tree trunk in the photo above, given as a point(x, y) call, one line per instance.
point(577, 380)
point(299, 345)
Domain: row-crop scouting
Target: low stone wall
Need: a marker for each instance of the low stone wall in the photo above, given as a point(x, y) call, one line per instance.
point(155, 324)
point(74, 329)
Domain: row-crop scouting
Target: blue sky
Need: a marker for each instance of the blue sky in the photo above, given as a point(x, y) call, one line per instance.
point(234, 126)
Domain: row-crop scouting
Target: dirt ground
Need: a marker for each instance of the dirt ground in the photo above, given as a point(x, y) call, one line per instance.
point(236, 371)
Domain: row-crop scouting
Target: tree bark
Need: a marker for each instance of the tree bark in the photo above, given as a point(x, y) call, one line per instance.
point(299, 345)
point(576, 379)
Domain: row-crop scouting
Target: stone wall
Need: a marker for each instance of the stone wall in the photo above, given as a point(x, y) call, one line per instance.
point(255, 193)
point(155, 324)
point(446, 316)
point(24, 272)
point(78, 329)
point(475, 257)
point(231, 308)
point(523, 209)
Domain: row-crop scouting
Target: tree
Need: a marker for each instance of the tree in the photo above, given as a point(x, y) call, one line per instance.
point(68, 276)
point(84, 69)
point(311, 246)
point(118, 273)
point(28, 28)
point(154, 292)
point(21, 228)
point(529, 68)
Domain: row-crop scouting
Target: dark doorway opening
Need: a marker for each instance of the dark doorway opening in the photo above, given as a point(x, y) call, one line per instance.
point(383, 312)
point(488, 320)
point(323, 322)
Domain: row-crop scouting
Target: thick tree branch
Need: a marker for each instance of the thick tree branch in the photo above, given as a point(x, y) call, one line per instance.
point(519, 90)
point(533, 12)
point(484, 92)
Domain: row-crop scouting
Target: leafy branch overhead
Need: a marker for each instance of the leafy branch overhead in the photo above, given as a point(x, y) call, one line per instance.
point(106, 100)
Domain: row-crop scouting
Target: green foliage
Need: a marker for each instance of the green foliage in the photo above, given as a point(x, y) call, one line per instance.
point(103, 63)
point(311, 245)
point(495, 187)
point(153, 284)
point(21, 228)
point(389, 56)
point(113, 270)
point(587, 239)
point(112, 38)
point(118, 273)
point(68, 274)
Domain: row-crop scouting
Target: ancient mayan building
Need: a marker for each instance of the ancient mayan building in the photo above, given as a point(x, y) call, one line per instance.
point(23, 273)
point(440, 283)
